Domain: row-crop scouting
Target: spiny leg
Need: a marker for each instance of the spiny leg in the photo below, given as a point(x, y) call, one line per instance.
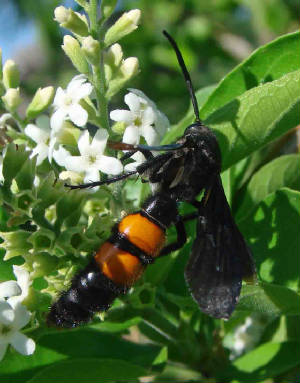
point(99, 183)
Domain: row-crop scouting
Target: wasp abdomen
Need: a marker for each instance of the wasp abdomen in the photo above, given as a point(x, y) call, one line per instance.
point(118, 263)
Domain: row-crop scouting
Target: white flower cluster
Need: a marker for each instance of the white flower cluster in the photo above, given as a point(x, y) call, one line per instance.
point(143, 119)
point(13, 315)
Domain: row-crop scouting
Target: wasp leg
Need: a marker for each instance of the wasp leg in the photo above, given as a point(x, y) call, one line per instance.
point(148, 155)
point(181, 238)
point(99, 183)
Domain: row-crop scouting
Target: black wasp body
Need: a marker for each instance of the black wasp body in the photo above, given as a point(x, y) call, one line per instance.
point(220, 258)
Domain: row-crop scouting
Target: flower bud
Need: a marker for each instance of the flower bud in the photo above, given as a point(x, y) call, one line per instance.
point(108, 7)
point(68, 134)
point(41, 100)
point(15, 243)
point(12, 99)
point(72, 49)
point(126, 24)
point(74, 177)
point(71, 20)
point(114, 55)
point(130, 67)
point(91, 50)
point(11, 74)
point(119, 127)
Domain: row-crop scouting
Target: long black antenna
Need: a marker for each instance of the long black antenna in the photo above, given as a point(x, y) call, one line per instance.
point(185, 74)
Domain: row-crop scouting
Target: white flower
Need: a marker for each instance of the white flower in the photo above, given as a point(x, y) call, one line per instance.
point(143, 119)
point(13, 317)
point(138, 158)
point(91, 159)
point(41, 134)
point(66, 103)
point(16, 291)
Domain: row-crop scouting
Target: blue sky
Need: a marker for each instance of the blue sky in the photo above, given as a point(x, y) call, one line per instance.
point(14, 32)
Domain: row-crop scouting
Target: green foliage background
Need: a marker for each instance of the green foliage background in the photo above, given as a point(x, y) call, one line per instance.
point(160, 332)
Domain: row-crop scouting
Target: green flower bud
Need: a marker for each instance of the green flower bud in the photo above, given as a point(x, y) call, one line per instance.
point(91, 49)
point(114, 55)
point(126, 24)
point(108, 7)
point(74, 177)
point(15, 243)
point(41, 264)
point(68, 134)
point(143, 296)
point(119, 127)
point(130, 67)
point(11, 74)
point(71, 20)
point(73, 51)
point(87, 104)
point(12, 99)
point(41, 100)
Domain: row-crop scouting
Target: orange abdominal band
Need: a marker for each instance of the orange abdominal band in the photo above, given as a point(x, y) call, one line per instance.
point(119, 265)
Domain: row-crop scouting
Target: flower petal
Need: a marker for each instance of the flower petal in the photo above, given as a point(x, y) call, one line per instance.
point(92, 175)
point(148, 116)
point(57, 119)
point(99, 141)
point(121, 115)
point(23, 344)
point(81, 92)
point(3, 347)
point(59, 97)
point(37, 134)
point(76, 164)
point(9, 289)
point(133, 102)
point(84, 143)
point(23, 279)
point(41, 150)
point(143, 97)
point(76, 82)
point(60, 156)
point(7, 314)
point(131, 135)
point(78, 115)
point(22, 315)
point(150, 134)
point(109, 165)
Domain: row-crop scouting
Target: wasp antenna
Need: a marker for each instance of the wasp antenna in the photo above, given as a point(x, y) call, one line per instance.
point(185, 74)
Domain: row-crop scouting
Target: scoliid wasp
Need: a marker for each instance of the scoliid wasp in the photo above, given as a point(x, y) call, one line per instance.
point(219, 259)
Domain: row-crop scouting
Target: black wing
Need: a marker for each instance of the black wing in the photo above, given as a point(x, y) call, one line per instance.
point(220, 258)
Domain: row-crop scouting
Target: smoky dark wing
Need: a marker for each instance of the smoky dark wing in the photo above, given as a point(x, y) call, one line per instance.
point(220, 258)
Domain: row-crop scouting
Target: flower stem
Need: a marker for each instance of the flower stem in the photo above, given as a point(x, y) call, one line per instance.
point(98, 70)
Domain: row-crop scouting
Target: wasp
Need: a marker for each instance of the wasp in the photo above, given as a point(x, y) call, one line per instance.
point(220, 257)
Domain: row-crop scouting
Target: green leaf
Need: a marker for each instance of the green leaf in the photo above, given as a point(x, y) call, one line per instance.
point(264, 362)
point(269, 299)
point(282, 171)
point(13, 161)
point(267, 63)
point(282, 329)
point(272, 230)
point(178, 130)
point(90, 370)
point(256, 118)
point(57, 346)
